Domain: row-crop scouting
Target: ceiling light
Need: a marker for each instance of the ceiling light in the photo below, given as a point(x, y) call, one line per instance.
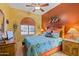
point(37, 7)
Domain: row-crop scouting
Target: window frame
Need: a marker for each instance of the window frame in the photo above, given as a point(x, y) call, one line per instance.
point(28, 29)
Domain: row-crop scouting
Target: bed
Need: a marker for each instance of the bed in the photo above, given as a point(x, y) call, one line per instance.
point(39, 45)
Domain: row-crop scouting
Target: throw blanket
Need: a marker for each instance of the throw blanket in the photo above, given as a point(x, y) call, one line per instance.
point(40, 44)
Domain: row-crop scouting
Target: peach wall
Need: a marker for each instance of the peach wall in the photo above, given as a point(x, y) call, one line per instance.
point(70, 10)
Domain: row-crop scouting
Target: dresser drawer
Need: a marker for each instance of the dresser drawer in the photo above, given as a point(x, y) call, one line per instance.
point(67, 43)
point(66, 47)
point(7, 50)
point(70, 48)
point(74, 51)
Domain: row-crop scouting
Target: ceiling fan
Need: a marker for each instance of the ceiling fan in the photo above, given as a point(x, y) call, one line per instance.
point(37, 6)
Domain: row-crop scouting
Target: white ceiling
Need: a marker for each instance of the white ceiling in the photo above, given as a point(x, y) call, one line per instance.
point(22, 6)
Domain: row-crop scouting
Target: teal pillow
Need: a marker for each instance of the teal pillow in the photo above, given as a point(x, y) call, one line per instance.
point(55, 35)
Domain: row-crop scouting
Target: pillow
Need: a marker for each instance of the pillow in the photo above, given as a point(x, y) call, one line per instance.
point(48, 34)
point(55, 34)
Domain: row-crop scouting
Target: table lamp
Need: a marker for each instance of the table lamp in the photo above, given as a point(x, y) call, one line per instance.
point(42, 30)
point(72, 31)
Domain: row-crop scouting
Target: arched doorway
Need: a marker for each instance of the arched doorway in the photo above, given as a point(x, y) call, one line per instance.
point(27, 26)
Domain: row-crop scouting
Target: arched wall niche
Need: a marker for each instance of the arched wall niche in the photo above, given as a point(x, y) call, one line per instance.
point(28, 21)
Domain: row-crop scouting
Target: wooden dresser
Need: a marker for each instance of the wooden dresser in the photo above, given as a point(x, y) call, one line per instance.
point(8, 48)
point(70, 47)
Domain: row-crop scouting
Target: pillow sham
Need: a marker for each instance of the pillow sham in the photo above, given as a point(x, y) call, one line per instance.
point(48, 34)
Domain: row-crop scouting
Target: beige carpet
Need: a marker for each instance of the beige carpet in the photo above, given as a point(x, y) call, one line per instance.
point(59, 54)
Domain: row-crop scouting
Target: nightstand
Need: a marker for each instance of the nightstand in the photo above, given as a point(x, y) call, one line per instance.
point(70, 47)
point(8, 48)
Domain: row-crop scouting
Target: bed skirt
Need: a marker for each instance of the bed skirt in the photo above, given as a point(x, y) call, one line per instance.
point(52, 51)
point(48, 53)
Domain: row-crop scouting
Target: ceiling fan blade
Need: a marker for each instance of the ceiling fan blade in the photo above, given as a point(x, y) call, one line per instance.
point(43, 5)
point(41, 9)
point(29, 6)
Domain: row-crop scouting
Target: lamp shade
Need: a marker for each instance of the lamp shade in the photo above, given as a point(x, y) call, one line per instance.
point(42, 30)
point(37, 8)
point(72, 31)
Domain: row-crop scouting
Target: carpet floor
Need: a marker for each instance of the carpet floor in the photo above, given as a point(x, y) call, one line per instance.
point(59, 54)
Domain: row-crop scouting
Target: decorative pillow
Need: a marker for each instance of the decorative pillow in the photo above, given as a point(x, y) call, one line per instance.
point(55, 35)
point(48, 34)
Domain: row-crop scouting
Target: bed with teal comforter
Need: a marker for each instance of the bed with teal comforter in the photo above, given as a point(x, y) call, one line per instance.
point(40, 44)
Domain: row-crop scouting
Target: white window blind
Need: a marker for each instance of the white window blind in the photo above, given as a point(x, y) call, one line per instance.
point(27, 29)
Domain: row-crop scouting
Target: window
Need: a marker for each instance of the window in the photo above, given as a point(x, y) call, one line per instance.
point(31, 29)
point(27, 29)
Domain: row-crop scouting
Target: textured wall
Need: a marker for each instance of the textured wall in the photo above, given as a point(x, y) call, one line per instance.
point(71, 11)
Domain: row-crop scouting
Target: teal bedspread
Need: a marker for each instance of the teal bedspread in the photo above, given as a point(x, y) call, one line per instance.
point(40, 44)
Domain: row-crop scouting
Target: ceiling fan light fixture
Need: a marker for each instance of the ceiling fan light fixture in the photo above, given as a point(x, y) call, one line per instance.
point(37, 8)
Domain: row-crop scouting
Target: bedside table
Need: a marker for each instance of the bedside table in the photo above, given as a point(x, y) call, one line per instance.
point(8, 48)
point(70, 47)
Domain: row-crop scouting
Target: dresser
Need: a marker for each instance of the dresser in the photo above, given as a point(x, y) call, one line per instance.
point(7, 48)
point(70, 47)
